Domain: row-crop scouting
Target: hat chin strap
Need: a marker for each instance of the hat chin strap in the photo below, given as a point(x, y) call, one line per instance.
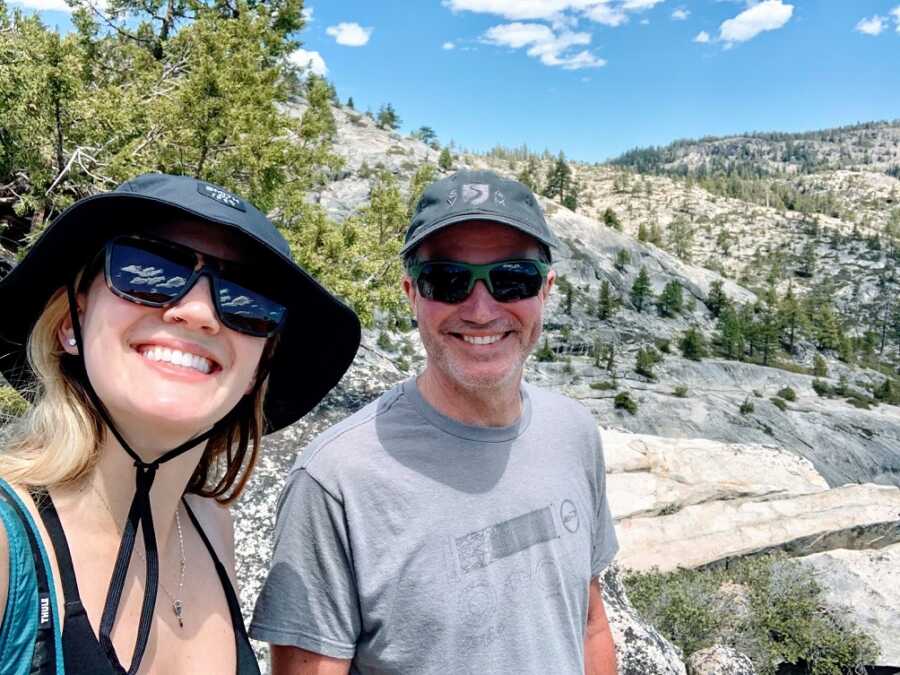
point(139, 515)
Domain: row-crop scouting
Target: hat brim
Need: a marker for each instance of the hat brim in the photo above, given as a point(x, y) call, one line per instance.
point(318, 340)
point(457, 218)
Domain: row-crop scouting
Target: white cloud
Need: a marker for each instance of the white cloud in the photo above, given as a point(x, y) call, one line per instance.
point(680, 14)
point(448, 45)
point(307, 14)
point(645, 22)
point(871, 26)
point(896, 14)
point(310, 60)
point(519, 9)
point(607, 15)
point(702, 37)
point(45, 5)
point(350, 34)
point(551, 48)
point(764, 16)
point(632, 5)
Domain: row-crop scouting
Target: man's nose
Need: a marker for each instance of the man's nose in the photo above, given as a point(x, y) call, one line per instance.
point(196, 310)
point(480, 306)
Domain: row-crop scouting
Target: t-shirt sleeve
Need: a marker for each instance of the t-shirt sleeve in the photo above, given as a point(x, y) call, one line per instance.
point(605, 544)
point(309, 599)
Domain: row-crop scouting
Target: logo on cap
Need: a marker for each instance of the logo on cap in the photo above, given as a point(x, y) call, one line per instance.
point(476, 193)
point(499, 199)
point(451, 198)
point(221, 196)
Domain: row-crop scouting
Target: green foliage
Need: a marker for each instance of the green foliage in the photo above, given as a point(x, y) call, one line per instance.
point(424, 175)
point(779, 403)
point(384, 342)
point(787, 393)
point(544, 353)
point(644, 361)
point(790, 318)
point(387, 117)
point(747, 406)
point(664, 346)
point(425, 134)
point(604, 385)
point(770, 606)
point(681, 238)
point(693, 344)
point(607, 304)
point(888, 391)
point(717, 299)
point(821, 387)
point(623, 259)
point(11, 404)
point(640, 290)
point(610, 219)
point(559, 179)
point(528, 176)
point(623, 401)
point(670, 301)
point(808, 258)
point(680, 391)
point(445, 160)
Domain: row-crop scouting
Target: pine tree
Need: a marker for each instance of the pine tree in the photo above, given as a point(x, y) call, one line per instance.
point(681, 238)
point(570, 294)
point(425, 134)
point(670, 301)
point(717, 299)
point(643, 233)
point(640, 290)
point(528, 176)
point(445, 161)
point(645, 359)
point(808, 261)
point(350, 103)
point(790, 317)
point(731, 338)
point(820, 368)
point(693, 344)
point(387, 117)
point(623, 258)
point(424, 175)
point(606, 303)
point(766, 326)
point(559, 179)
point(610, 219)
point(828, 328)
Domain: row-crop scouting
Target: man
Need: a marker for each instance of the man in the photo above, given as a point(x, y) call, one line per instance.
point(459, 523)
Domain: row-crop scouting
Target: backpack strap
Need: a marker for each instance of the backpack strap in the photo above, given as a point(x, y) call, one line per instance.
point(47, 656)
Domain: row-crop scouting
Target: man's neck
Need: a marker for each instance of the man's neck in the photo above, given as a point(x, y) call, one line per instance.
point(499, 406)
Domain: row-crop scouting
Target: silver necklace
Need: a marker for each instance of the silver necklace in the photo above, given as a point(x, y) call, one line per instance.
point(177, 602)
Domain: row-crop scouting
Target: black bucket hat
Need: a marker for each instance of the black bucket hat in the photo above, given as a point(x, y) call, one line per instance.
point(317, 342)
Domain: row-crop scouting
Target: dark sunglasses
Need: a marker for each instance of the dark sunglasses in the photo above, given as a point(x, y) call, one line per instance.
point(452, 281)
point(158, 273)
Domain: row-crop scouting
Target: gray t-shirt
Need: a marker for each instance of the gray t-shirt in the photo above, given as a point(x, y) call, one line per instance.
point(413, 543)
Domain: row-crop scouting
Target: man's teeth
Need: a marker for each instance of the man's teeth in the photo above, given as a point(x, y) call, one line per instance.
point(481, 339)
point(178, 358)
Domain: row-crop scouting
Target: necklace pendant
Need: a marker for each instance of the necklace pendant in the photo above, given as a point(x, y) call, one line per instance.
point(178, 609)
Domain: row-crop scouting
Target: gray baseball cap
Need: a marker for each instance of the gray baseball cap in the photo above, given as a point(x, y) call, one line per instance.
point(477, 195)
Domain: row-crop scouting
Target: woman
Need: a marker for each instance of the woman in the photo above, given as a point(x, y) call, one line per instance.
point(159, 330)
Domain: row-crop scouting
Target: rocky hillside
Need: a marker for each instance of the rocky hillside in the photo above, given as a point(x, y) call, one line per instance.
point(710, 458)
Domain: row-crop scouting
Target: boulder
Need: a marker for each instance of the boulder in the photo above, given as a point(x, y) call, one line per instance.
point(719, 660)
point(864, 586)
point(853, 516)
point(640, 648)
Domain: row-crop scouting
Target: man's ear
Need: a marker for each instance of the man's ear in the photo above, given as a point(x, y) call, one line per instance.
point(409, 289)
point(551, 279)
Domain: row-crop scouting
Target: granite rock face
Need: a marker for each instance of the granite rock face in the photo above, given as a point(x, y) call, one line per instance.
point(640, 649)
point(864, 586)
point(719, 660)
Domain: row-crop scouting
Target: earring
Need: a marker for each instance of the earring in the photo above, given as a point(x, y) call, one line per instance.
point(72, 342)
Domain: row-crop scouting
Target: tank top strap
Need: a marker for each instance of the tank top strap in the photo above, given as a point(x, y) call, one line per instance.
point(54, 528)
point(244, 656)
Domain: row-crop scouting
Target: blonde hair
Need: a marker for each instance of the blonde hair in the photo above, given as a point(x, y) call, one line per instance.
point(58, 439)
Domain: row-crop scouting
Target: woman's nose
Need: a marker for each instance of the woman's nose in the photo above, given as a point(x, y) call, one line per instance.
point(196, 309)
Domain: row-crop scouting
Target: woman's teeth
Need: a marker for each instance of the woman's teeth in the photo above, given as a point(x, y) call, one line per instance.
point(178, 358)
point(481, 339)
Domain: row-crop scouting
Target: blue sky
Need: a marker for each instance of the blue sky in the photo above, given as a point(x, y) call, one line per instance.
point(596, 77)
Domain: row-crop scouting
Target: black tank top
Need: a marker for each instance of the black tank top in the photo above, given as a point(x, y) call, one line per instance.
point(82, 652)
